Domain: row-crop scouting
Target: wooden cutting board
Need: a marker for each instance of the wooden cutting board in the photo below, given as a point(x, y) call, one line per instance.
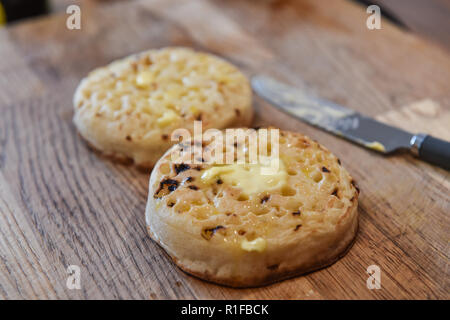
point(61, 204)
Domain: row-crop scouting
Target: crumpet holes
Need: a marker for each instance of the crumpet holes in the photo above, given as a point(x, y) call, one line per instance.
point(208, 233)
point(243, 197)
point(262, 210)
point(183, 207)
point(287, 191)
point(164, 168)
point(316, 176)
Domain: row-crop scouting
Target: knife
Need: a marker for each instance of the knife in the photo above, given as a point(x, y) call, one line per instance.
point(350, 124)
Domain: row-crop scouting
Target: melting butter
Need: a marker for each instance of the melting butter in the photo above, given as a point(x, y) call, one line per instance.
point(259, 245)
point(375, 146)
point(251, 178)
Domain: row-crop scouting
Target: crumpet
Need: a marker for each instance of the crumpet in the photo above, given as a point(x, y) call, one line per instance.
point(231, 225)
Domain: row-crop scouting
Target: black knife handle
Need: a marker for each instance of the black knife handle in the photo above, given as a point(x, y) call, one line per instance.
point(432, 150)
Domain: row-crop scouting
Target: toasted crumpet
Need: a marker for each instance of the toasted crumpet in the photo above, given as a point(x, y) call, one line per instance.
point(129, 108)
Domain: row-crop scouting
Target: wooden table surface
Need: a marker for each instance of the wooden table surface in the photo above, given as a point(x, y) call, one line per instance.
point(61, 204)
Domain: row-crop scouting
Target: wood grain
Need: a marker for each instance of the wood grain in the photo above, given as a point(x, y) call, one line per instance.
point(61, 204)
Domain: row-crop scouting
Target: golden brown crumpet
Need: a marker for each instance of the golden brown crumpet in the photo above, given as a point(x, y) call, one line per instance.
point(129, 108)
point(230, 225)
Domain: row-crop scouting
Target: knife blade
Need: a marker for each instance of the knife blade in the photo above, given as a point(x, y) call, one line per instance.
point(348, 123)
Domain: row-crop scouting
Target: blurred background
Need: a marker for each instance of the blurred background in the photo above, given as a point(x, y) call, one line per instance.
point(62, 204)
point(430, 18)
